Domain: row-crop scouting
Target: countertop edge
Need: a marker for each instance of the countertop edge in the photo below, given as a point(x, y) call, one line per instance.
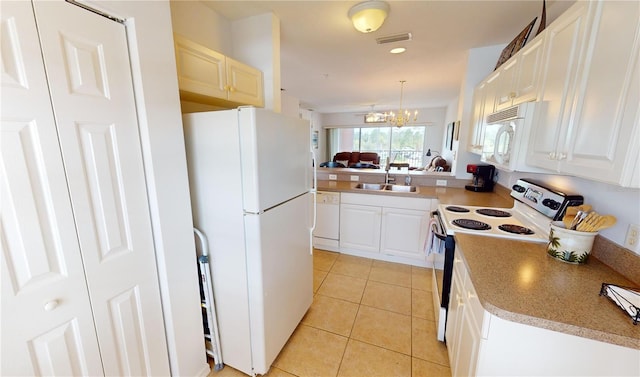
point(565, 328)
point(544, 323)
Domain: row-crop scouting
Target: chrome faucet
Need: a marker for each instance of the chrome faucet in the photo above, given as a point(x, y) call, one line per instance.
point(388, 179)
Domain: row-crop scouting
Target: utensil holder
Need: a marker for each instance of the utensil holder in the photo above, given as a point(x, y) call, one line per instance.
point(568, 245)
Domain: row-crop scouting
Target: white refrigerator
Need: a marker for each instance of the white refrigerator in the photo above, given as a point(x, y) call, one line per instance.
point(250, 173)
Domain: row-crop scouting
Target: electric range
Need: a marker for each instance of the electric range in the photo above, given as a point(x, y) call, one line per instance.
point(535, 206)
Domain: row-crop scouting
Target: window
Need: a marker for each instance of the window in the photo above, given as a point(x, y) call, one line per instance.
point(404, 144)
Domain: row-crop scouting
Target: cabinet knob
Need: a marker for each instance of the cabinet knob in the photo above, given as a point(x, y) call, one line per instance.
point(50, 305)
point(562, 156)
point(552, 155)
point(512, 95)
point(232, 89)
point(226, 87)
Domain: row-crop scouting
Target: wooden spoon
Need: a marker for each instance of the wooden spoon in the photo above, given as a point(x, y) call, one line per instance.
point(607, 221)
point(588, 222)
point(568, 220)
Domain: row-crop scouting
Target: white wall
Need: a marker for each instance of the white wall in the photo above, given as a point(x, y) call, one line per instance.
point(480, 62)
point(156, 90)
point(201, 24)
point(256, 42)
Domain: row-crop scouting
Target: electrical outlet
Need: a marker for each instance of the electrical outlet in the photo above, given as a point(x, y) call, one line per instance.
point(633, 234)
point(355, 178)
point(333, 177)
point(441, 182)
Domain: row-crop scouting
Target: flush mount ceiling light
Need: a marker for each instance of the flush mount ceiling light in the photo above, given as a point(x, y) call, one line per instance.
point(368, 16)
point(398, 50)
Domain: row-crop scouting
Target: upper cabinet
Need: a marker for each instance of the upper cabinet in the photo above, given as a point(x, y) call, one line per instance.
point(514, 82)
point(587, 125)
point(209, 77)
point(564, 43)
point(483, 105)
point(519, 76)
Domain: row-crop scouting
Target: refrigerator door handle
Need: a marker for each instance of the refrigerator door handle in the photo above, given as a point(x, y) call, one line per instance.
point(314, 191)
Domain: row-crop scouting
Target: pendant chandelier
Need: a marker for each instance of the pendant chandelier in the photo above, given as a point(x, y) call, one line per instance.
point(403, 117)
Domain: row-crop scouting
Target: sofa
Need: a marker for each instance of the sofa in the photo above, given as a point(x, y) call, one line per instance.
point(359, 159)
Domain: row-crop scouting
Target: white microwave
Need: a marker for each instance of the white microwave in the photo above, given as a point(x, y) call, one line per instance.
point(506, 136)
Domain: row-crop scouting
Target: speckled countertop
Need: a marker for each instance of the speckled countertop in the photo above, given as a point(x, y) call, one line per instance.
point(534, 289)
point(445, 195)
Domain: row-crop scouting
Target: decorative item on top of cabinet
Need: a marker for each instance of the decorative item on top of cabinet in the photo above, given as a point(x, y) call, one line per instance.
point(209, 77)
point(590, 127)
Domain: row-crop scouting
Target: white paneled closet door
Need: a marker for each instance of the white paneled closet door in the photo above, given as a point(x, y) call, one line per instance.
point(46, 321)
point(87, 66)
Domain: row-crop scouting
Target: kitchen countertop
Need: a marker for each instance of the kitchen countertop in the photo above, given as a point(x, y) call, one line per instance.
point(445, 195)
point(535, 289)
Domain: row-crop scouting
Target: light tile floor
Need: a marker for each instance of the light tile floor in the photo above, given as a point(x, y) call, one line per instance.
point(368, 318)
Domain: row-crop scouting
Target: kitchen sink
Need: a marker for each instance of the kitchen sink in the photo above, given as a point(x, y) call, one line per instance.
point(370, 186)
point(383, 187)
point(400, 188)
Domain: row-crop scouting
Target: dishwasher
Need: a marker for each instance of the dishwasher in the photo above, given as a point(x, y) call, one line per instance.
point(327, 232)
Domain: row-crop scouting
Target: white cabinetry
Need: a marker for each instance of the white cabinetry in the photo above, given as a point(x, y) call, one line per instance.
point(385, 227)
point(464, 323)
point(482, 344)
point(520, 75)
point(484, 103)
point(599, 140)
point(404, 232)
point(80, 292)
point(207, 76)
point(360, 227)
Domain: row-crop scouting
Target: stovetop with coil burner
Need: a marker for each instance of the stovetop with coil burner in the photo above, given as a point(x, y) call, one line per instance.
point(536, 205)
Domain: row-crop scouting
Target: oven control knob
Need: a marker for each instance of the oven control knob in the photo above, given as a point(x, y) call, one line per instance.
point(551, 204)
point(518, 188)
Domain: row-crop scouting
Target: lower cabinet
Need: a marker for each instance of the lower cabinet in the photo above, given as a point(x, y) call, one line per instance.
point(360, 227)
point(463, 331)
point(403, 232)
point(384, 227)
point(482, 344)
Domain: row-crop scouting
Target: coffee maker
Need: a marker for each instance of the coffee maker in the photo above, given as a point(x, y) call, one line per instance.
point(482, 177)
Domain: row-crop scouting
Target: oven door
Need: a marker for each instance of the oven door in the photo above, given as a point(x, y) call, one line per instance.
point(442, 244)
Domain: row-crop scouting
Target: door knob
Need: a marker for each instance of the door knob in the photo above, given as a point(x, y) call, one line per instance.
point(50, 305)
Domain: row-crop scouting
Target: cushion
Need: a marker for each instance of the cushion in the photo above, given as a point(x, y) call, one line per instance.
point(343, 162)
point(366, 162)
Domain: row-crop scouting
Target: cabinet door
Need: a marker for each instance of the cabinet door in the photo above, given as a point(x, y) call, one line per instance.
point(244, 84)
point(201, 71)
point(469, 341)
point(454, 318)
point(526, 82)
point(88, 67)
point(603, 142)
point(563, 47)
point(505, 90)
point(360, 227)
point(404, 232)
point(476, 135)
point(46, 321)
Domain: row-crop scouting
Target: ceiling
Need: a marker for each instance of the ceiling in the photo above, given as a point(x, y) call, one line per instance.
point(332, 68)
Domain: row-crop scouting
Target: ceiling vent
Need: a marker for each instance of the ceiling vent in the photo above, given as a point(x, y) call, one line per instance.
point(394, 38)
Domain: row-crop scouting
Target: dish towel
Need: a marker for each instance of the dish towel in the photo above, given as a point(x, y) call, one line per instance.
point(432, 244)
